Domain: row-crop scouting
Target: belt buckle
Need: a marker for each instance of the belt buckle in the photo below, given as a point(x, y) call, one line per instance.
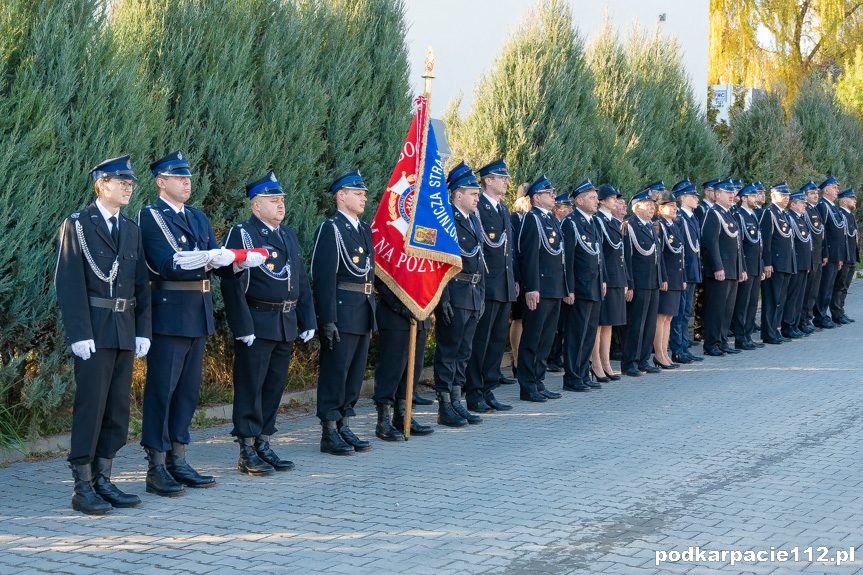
point(475, 279)
point(120, 305)
point(367, 288)
point(205, 286)
point(286, 307)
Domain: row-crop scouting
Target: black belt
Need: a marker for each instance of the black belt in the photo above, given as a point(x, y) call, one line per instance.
point(118, 304)
point(284, 307)
point(366, 288)
point(472, 278)
point(198, 285)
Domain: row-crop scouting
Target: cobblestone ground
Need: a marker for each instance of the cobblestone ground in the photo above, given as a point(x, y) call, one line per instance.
point(757, 451)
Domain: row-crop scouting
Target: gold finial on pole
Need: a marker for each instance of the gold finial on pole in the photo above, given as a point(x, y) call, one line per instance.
point(429, 70)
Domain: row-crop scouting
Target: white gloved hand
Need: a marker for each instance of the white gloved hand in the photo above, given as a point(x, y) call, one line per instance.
point(247, 339)
point(307, 335)
point(192, 260)
point(142, 346)
point(83, 349)
point(221, 257)
point(253, 260)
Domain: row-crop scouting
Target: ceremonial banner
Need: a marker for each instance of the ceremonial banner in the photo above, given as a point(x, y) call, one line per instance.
point(416, 245)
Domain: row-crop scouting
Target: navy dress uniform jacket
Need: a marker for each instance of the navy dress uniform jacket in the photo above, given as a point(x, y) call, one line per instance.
point(777, 239)
point(178, 312)
point(672, 237)
point(501, 263)
point(752, 255)
point(541, 270)
point(691, 229)
point(243, 294)
point(802, 242)
point(816, 231)
point(643, 271)
point(834, 231)
point(721, 244)
point(614, 254)
point(462, 293)
point(351, 311)
point(585, 271)
point(76, 282)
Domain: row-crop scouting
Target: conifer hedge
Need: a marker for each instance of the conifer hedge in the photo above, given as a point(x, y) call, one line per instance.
point(310, 89)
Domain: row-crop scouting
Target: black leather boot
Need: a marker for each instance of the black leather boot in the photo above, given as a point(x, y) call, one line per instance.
point(446, 415)
point(350, 437)
point(262, 447)
point(249, 462)
point(182, 471)
point(399, 420)
point(84, 498)
point(460, 409)
point(385, 429)
point(332, 442)
point(159, 481)
point(108, 491)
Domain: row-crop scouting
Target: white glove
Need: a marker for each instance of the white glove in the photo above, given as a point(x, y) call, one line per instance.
point(83, 349)
point(253, 260)
point(192, 260)
point(307, 335)
point(142, 346)
point(221, 257)
point(247, 339)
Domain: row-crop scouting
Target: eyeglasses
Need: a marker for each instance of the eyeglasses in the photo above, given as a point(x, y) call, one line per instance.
point(126, 184)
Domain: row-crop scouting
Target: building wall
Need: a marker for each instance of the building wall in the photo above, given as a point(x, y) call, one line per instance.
point(466, 36)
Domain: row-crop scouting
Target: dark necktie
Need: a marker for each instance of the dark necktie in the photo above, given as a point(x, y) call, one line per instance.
point(115, 231)
point(182, 214)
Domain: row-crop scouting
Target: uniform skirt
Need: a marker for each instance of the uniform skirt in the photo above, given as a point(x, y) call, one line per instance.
point(612, 311)
point(517, 309)
point(669, 302)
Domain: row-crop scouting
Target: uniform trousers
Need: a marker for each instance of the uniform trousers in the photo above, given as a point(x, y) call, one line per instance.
point(813, 282)
point(640, 329)
point(100, 413)
point(260, 374)
point(580, 337)
point(174, 366)
point(774, 290)
point(720, 297)
point(340, 376)
point(743, 320)
point(678, 339)
point(825, 291)
point(489, 344)
point(539, 327)
point(391, 372)
point(453, 349)
point(793, 309)
point(840, 290)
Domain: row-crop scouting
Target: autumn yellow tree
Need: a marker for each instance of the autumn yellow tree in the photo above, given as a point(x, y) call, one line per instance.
point(778, 43)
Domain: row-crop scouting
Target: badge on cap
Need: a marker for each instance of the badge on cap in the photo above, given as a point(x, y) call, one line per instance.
point(128, 164)
point(272, 177)
point(179, 155)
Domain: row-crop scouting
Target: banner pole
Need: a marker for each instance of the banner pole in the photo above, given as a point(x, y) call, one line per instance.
point(409, 390)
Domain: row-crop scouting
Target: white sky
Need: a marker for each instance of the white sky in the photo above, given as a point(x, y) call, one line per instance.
point(466, 36)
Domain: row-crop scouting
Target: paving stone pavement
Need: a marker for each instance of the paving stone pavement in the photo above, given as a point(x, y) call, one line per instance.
point(757, 451)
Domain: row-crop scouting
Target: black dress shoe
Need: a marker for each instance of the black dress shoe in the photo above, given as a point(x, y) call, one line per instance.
point(359, 445)
point(784, 339)
point(731, 350)
point(806, 329)
point(265, 452)
point(657, 363)
point(593, 384)
point(756, 344)
point(534, 396)
point(714, 352)
point(554, 368)
point(507, 381)
point(332, 442)
point(791, 334)
point(446, 415)
point(649, 369)
point(678, 358)
point(773, 341)
point(613, 376)
point(816, 329)
point(744, 345)
point(848, 319)
point(108, 491)
point(175, 463)
point(496, 405)
point(84, 497)
point(757, 327)
point(384, 429)
point(844, 320)
point(249, 461)
point(575, 387)
point(417, 399)
point(692, 344)
point(479, 406)
point(694, 357)
point(826, 323)
point(631, 373)
point(549, 394)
